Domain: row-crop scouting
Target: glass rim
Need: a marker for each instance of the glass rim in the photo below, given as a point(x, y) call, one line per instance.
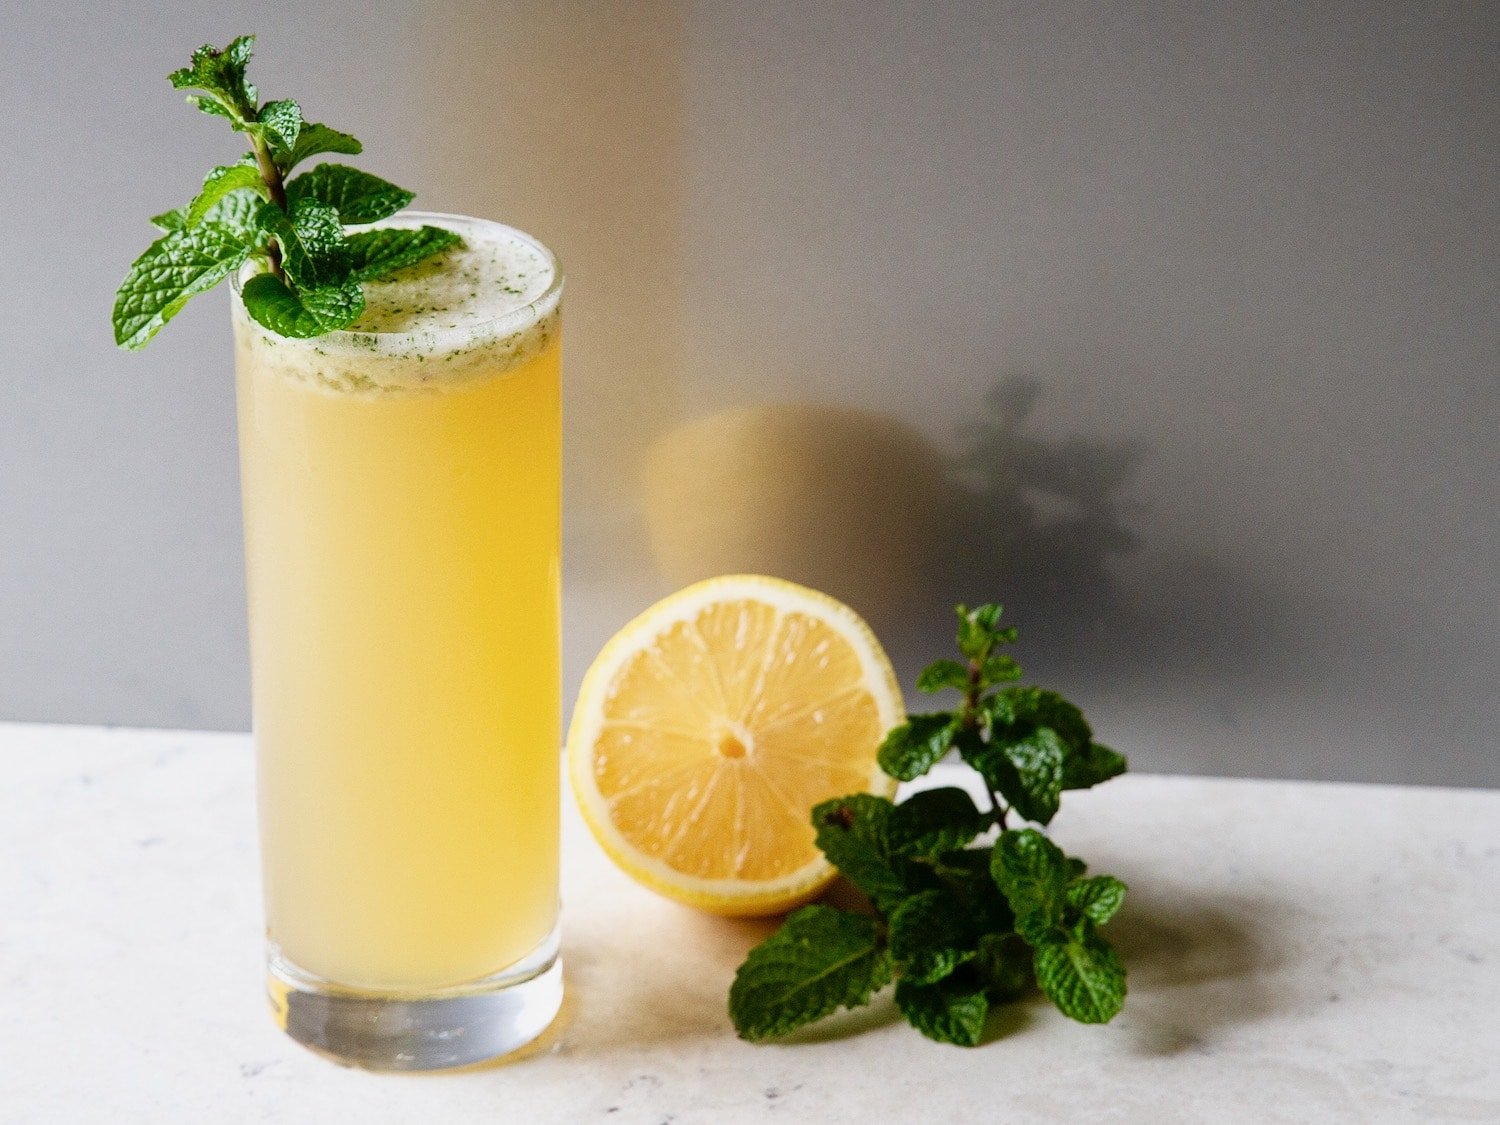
point(426, 340)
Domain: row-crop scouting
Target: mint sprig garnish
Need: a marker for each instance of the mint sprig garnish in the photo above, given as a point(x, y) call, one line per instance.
point(959, 926)
point(294, 228)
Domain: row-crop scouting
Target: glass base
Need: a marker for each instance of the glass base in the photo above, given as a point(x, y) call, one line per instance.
point(451, 1027)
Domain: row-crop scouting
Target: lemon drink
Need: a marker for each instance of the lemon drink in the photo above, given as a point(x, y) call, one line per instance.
point(402, 527)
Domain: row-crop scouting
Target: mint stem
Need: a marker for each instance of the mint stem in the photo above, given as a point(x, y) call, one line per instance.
point(277, 187)
point(972, 693)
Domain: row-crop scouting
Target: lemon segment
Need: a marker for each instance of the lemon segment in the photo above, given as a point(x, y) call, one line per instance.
point(708, 728)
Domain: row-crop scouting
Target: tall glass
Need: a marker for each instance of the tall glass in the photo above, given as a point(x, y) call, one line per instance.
point(402, 536)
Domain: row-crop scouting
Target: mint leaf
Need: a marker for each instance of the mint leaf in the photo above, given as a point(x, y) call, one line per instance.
point(933, 821)
point(979, 631)
point(312, 243)
point(1082, 975)
point(915, 746)
point(1098, 898)
point(312, 312)
point(1003, 961)
point(1034, 788)
point(975, 638)
point(239, 211)
point(336, 306)
point(1032, 872)
point(928, 935)
point(375, 253)
point(951, 1011)
point(965, 875)
point(1049, 746)
point(170, 220)
point(230, 206)
point(220, 182)
point(851, 832)
point(357, 196)
point(1034, 706)
point(220, 77)
point(1088, 766)
point(280, 122)
point(820, 960)
point(215, 108)
point(314, 138)
point(997, 711)
point(990, 761)
point(1000, 669)
point(175, 268)
point(943, 674)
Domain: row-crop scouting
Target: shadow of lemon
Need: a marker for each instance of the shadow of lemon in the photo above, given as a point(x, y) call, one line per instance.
point(845, 501)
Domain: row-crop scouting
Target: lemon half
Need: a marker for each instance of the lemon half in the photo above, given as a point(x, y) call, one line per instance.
point(708, 728)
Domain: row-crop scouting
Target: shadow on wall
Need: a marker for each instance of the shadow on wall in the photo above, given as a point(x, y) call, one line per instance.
point(1035, 521)
point(861, 505)
point(1047, 525)
point(841, 500)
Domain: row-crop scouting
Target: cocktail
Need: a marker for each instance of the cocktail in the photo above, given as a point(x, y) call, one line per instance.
point(399, 417)
point(401, 493)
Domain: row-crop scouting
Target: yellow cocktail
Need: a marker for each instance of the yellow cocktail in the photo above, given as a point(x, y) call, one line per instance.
point(401, 492)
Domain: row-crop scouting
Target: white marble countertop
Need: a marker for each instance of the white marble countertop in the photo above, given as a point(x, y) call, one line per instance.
point(1297, 952)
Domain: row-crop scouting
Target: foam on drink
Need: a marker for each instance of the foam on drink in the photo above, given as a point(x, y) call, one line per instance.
point(473, 311)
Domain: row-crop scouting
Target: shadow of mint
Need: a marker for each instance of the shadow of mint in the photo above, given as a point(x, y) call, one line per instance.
point(880, 1012)
point(1198, 966)
point(1010, 1018)
point(1041, 523)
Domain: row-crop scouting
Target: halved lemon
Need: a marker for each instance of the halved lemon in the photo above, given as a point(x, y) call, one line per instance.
point(709, 727)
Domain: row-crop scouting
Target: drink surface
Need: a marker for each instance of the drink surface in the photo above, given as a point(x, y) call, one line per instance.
point(401, 488)
point(467, 287)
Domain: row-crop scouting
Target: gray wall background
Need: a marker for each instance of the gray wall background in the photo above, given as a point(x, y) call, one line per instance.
point(1171, 325)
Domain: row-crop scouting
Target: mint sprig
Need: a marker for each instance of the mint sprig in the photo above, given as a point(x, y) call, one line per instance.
point(250, 210)
point(959, 926)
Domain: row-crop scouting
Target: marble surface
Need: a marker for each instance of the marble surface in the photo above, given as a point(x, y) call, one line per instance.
point(1298, 952)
